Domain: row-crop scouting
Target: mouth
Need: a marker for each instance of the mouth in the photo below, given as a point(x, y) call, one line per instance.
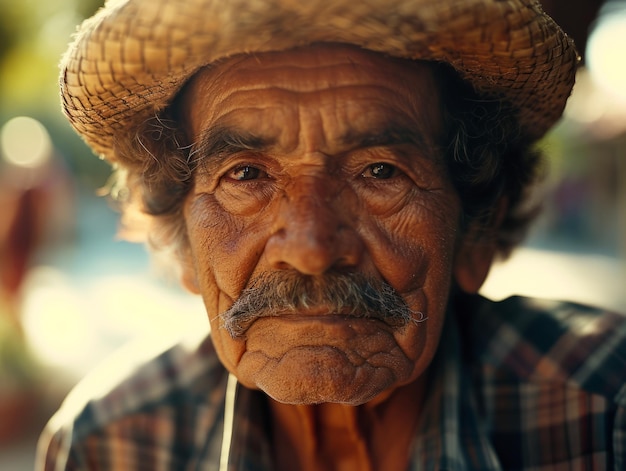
point(332, 296)
point(237, 326)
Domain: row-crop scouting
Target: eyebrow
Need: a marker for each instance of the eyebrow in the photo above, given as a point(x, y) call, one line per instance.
point(389, 134)
point(220, 142)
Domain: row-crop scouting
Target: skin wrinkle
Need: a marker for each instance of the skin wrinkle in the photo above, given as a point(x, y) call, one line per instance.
point(271, 363)
point(221, 142)
point(301, 88)
point(314, 212)
point(352, 356)
point(359, 366)
point(414, 252)
point(289, 98)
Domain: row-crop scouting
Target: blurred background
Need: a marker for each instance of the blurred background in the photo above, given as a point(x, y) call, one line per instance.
point(73, 294)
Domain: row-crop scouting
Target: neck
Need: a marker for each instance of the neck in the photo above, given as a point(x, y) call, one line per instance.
point(339, 437)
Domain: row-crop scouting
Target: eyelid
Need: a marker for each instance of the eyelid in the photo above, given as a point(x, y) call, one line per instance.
point(407, 160)
point(243, 159)
point(367, 171)
point(214, 168)
point(382, 155)
point(262, 173)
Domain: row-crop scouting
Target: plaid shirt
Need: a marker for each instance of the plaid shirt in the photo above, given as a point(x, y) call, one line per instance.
point(516, 385)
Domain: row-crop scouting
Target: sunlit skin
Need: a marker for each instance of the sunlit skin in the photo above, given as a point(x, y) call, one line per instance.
point(316, 160)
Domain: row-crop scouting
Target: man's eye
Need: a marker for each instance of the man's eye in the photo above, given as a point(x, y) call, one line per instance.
point(380, 170)
point(245, 172)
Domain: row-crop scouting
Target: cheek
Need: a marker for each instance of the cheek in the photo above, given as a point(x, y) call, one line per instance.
point(414, 247)
point(419, 343)
point(225, 252)
point(226, 247)
point(413, 250)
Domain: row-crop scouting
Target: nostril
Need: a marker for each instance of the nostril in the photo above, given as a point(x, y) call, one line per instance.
point(280, 265)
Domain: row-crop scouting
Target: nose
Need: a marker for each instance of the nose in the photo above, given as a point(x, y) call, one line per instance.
point(313, 231)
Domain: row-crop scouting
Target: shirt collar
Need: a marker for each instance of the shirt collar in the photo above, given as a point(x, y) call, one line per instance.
point(451, 435)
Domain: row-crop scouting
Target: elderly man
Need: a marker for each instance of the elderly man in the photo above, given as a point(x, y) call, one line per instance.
point(334, 179)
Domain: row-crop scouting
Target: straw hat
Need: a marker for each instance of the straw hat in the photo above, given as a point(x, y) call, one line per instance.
point(129, 60)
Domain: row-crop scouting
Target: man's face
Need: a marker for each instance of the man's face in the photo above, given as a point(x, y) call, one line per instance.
point(320, 165)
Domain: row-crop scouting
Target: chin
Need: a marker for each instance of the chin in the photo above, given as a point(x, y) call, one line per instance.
point(323, 393)
point(323, 377)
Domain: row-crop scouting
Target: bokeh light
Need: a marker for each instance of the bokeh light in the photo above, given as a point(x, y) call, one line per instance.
point(606, 50)
point(25, 142)
point(55, 322)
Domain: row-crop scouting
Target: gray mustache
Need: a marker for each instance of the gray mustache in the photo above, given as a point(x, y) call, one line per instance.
point(347, 294)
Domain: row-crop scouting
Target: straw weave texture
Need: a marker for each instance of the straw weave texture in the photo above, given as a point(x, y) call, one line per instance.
point(129, 60)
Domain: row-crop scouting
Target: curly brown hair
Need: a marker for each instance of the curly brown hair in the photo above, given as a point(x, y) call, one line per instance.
point(489, 159)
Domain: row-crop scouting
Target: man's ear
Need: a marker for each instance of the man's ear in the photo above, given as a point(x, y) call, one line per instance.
point(477, 251)
point(188, 275)
point(472, 264)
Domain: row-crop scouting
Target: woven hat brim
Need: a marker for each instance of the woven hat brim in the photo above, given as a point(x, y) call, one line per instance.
point(128, 61)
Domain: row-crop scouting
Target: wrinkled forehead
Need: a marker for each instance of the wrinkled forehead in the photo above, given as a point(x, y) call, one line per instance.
point(376, 86)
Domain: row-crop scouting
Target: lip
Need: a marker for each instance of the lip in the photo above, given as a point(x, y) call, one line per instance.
point(297, 321)
point(318, 311)
point(238, 326)
point(321, 315)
